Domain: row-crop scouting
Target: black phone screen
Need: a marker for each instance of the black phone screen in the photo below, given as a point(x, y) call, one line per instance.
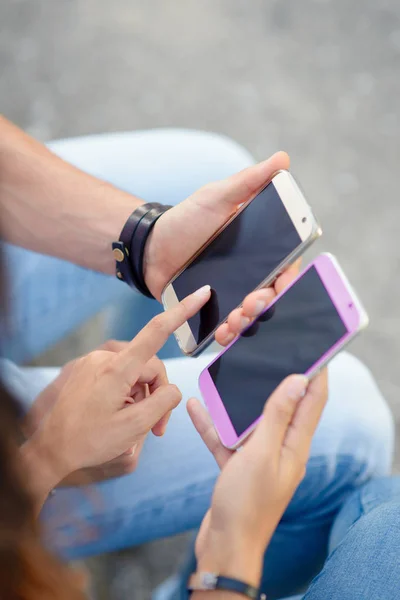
point(239, 259)
point(288, 338)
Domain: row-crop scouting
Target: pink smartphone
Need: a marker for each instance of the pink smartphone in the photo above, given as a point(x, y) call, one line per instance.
point(300, 332)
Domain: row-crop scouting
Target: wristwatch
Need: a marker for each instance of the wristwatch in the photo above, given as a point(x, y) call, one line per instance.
point(210, 581)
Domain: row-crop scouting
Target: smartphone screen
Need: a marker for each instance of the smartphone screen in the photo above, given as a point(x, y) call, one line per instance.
point(239, 259)
point(288, 338)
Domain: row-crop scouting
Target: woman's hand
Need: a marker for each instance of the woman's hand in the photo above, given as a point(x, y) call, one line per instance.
point(48, 396)
point(102, 410)
point(119, 466)
point(257, 482)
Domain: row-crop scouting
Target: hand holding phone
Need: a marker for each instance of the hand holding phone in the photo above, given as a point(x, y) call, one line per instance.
point(256, 484)
point(268, 233)
point(181, 231)
point(301, 330)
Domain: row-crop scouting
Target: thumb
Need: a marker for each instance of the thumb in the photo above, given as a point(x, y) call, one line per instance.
point(279, 412)
point(143, 416)
point(241, 186)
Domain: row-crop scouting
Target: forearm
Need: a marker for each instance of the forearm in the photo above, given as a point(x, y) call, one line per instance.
point(49, 206)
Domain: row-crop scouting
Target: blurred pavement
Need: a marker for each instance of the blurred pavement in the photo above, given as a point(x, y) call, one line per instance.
point(317, 78)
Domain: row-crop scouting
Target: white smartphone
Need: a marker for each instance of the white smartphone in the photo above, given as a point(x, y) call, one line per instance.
point(299, 332)
point(261, 240)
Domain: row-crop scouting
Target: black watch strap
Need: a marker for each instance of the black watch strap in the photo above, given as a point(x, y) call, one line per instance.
point(239, 587)
point(211, 581)
point(129, 250)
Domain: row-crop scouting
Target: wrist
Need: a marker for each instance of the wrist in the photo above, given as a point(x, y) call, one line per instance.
point(42, 465)
point(112, 220)
point(239, 559)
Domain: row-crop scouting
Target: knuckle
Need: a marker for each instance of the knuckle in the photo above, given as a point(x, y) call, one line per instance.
point(158, 324)
point(175, 393)
point(107, 366)
point(182, 310)
point(96, 357)
point(88, 363)
point(80, 362)
point(111, 346)
point(158, 365)
point(284, 410)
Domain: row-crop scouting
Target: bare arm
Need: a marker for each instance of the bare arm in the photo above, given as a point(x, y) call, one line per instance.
point(49, 206)
point(40, 472)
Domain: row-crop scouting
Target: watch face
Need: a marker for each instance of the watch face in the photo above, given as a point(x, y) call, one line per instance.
point(202, 581)
point(208, 580)
point(211, 581)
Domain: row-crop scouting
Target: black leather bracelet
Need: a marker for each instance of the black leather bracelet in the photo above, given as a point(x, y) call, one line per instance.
point(210, 581)
point(129, 250)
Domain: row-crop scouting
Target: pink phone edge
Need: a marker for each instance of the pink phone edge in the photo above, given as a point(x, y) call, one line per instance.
point(340, 297)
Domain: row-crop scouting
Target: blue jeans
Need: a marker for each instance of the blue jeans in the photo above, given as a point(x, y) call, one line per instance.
point(171, 489)
point(364, 551)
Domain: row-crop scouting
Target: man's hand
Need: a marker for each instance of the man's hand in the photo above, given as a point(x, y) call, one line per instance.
point(185, 228)
point(89, 213)
point(253, 305)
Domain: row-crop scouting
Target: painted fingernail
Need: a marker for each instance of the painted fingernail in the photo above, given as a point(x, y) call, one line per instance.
point(244, 321)
point(260, 305)
point(202, 292)
point(229, 338)
point(297, 387)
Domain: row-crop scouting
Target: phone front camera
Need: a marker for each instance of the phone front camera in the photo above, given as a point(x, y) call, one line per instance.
point(304, 219)
point(351, 305)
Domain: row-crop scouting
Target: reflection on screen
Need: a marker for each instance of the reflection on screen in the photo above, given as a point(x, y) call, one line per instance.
point(288, 338)
point(239, 259)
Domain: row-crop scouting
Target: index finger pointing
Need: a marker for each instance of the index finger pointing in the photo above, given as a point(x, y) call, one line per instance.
point(155, 334)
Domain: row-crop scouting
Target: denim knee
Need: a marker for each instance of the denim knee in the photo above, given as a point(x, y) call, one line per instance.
point(357, 422)
point(366, 564)
point(370, 496)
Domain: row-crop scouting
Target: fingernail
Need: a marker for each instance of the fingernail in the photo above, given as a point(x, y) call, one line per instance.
point(229, 338)
point(260, 305)
point(202, 292)
point(297, 387)
point(244, 321)
point(131, 451)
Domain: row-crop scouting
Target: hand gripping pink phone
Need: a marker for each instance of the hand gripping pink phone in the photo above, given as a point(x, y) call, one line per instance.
point(300, 332)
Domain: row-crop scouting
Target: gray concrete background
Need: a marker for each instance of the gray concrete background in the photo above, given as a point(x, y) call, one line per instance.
point(319, 79)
